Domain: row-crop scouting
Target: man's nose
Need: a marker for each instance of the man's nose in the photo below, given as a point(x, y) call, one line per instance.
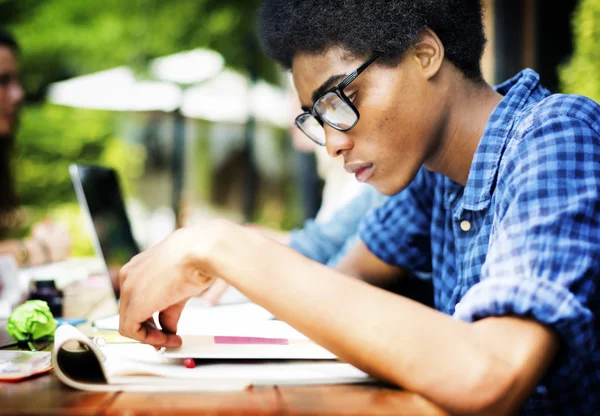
point(336, 141)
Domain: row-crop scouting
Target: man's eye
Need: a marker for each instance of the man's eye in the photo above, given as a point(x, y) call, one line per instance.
point(352, 96)
point(4, 80)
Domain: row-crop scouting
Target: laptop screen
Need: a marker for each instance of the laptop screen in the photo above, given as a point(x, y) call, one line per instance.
point(104, 202)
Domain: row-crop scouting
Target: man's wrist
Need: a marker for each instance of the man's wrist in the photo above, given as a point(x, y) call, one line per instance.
point(208, 244)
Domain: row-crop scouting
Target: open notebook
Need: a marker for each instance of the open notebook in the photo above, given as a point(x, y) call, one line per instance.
point(275, 355)
point(193, 314)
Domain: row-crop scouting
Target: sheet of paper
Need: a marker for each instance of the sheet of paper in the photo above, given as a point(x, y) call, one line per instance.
point(192, 317)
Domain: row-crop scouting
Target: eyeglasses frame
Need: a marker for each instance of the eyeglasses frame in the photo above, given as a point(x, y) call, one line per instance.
point(338, 89)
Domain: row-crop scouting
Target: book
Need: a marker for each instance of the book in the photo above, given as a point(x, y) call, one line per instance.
point(192, 314)
point(232, 360)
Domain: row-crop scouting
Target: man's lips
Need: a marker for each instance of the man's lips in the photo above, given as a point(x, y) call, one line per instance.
point(362, 171)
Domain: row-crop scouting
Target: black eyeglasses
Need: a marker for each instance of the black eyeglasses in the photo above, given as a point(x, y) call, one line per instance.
point(332, 107)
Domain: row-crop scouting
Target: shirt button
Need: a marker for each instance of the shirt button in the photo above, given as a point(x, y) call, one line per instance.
point(465, 226)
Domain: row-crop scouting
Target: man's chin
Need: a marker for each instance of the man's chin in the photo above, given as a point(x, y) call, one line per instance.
point(383, 188)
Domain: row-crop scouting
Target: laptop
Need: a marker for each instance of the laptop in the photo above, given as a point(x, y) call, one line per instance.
point(100, 199)
point(99, 195)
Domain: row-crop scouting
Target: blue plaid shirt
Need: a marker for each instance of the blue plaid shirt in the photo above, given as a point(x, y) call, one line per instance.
point(522, 238)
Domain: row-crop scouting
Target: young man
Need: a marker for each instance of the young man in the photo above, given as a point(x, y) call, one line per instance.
point(49, 241)
point(500, 201)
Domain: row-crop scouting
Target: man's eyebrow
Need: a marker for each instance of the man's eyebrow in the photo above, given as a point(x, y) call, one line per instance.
point(334, 79)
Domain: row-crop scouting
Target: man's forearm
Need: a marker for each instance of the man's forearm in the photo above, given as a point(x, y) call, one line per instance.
point(394, 338)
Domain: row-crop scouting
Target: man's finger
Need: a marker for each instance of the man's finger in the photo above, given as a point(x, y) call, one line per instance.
point(170, 317)
point(150, 323)
point(148, 334)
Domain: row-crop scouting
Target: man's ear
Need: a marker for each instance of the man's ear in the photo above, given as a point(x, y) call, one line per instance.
point(429, 53)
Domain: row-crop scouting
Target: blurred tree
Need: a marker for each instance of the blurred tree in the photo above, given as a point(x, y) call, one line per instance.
point(64, 38)
point(582, 74)
point(53, 136)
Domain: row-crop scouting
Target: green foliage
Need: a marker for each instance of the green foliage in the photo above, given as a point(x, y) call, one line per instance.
point(51, 137)
point(582, 74)
point(64, 38)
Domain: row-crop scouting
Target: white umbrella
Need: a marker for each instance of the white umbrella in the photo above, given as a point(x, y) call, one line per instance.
point(188, 67)
point(115, 89)
point(223, 98)
point(270, 104)
point(218, 95)
point(228, 98)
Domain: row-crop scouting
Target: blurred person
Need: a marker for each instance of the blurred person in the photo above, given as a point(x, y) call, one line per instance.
point(494, 190)
point(49, 241)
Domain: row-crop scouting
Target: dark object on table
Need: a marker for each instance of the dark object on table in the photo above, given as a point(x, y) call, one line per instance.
point(46, 290)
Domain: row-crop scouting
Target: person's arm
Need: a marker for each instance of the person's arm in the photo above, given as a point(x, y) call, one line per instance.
point(28, 252)
point(403, 222)
point(489, 367)
point(49, 242)
point(54, 238)
point(282, 237)
point(485, 368)
point(323, 241)
point(359, 262)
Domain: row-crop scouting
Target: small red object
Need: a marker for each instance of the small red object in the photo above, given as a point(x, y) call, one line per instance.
point(189, 363)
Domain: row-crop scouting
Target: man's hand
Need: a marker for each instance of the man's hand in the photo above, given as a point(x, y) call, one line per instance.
point(162, 279)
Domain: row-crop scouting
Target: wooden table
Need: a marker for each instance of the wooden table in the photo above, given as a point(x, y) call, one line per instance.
point(45, 395)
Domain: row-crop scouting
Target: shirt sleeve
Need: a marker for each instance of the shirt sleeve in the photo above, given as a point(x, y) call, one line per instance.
point(399, 231)
point(543, 260)
point(327, 242)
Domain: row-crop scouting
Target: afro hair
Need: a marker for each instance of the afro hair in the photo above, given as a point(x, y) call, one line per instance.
point(389, 27)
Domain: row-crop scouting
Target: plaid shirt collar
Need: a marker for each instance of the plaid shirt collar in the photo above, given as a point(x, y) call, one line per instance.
point(486, 161)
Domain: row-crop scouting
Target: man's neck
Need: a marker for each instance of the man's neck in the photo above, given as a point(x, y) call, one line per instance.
point(469, 110)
